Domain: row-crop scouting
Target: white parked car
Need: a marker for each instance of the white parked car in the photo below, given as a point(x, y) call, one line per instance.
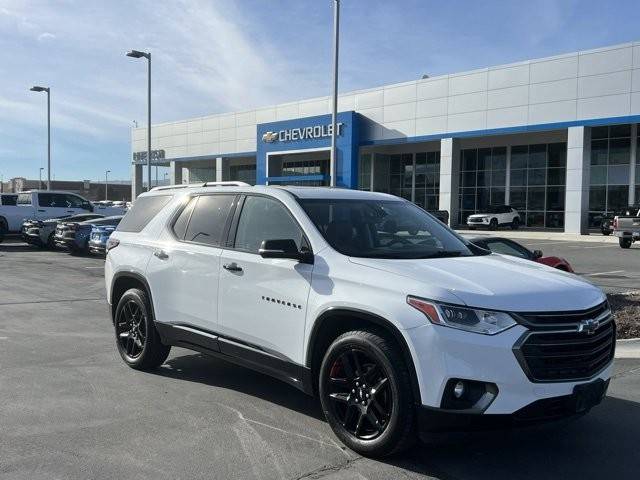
point(45, 204)
point(494, 217)
point(393, 320)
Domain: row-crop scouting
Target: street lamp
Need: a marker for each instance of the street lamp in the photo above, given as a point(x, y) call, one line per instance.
point(40, 178)
point(106, 184)
point(334, 100)
point(48, 90)
point(147, 55)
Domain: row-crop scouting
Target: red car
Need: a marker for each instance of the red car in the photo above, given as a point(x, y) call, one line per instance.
point(504, 246)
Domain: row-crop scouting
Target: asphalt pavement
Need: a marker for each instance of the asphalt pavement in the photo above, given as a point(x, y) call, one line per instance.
point(70, 408)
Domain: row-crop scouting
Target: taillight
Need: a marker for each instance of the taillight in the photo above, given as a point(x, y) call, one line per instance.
point(112, 243)
point(615, 222)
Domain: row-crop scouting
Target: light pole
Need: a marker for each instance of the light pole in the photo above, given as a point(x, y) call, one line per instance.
point(147, 55)
point(40, 178)
point(106, 184)
point(164, 182)
point(48, 90)
point(334, 100)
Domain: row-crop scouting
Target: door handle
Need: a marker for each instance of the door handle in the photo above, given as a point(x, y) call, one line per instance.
point(232, 267)
point(41, 210)
point(161, 254)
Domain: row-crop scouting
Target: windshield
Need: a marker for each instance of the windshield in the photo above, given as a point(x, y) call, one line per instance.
point(383, 229)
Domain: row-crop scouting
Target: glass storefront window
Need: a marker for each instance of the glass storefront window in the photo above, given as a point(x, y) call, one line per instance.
point(483, 179)
point(538, 179)
point(610, 171)
point(364, 172)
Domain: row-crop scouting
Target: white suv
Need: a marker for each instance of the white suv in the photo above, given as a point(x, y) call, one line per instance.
point(494, 217)
point(397, 323)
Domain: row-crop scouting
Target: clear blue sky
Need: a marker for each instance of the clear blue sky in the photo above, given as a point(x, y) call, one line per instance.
point(223, 55)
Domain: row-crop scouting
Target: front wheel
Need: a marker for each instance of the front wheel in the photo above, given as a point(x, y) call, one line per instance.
point(625, 242)
point(136, 335)
point(366, 394)
point(493, 224)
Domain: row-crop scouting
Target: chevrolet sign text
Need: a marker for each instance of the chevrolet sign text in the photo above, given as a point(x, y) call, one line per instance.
point(305, 133)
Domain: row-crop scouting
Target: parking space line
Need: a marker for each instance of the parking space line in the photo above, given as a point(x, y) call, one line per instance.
point(602, 273)
point(542, 243)
point(597, 246)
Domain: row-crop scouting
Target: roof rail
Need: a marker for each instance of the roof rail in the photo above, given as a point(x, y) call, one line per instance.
point(171, 187)
point(225, 184)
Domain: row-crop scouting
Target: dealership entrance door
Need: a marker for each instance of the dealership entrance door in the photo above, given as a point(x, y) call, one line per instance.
point(309, 168)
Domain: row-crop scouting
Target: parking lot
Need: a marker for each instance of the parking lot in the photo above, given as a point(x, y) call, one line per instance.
point(70, 408)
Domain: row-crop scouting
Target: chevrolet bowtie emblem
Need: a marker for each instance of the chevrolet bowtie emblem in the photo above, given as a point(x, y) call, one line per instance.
point(270, 137)
point(588, 326)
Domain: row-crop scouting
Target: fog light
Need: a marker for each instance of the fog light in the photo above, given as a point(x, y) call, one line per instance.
point(458, 389)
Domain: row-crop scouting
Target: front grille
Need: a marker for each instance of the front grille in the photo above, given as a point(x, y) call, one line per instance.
point(474, 220)
point(567, 355)
point(553, 320)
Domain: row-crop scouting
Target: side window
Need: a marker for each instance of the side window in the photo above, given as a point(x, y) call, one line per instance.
point(142, 212)
point(263, 218)
point(507, 248)
point(209, 217)
point(73, 201)
point(180, 225)
point(46, 200)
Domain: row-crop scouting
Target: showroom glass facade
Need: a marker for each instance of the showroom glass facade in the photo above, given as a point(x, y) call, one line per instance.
point(483, 177)
point(610, 171)
point(413, 176)
point(538, 182)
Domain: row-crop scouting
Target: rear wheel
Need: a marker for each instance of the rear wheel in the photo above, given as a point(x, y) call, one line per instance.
point(136, 335)
point(625, 242)
point(493, 224)
point(366, 394)
point(515, 224)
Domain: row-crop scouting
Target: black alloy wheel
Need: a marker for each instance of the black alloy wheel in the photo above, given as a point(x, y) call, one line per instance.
point(359, 393)
point(493, 224)
point(366, 395)
point(137, 339)
point(515, 224)
point(131, 329)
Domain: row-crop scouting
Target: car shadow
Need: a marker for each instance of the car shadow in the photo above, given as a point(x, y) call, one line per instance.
point(603, 444)
point(218, 373)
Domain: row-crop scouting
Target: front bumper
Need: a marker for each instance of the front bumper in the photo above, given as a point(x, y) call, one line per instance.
point(434, 420)
point(441, 354)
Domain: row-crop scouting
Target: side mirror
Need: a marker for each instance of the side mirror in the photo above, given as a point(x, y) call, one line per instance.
point(283, 248)
point(537, 254)
point(87, 206)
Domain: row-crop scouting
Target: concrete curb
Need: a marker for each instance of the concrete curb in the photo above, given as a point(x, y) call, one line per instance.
point(551, 236)
point(628, 348)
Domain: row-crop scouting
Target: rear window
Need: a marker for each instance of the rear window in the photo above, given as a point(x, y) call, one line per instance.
point(209, 218)
point(24, 199)
point(142, 212)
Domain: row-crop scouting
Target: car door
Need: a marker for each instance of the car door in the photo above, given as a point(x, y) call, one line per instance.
point(262, 301)
point(52, 205)
point(183, 272)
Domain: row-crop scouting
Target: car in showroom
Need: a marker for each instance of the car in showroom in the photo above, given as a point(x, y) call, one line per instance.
point(494, 217)
point(393, 320)
point(506, 246)
point(41, 233)
point(75, 236)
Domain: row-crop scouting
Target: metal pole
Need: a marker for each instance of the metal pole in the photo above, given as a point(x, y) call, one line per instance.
point(334, 110)
point(48, 138)
point(149, 123)
point(106, 185)
point(40, 179)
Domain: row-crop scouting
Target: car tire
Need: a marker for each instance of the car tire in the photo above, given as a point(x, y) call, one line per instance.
point(137, 339)
point(51, 241)
point(493, 224)
point(625, 242)
point(606, 232)
point(515, 224)
point(377, 420)
point(472, 228)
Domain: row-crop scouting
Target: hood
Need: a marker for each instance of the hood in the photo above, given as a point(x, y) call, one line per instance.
point(494, 282)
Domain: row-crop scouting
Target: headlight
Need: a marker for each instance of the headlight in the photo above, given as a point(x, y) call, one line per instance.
point(486, 322)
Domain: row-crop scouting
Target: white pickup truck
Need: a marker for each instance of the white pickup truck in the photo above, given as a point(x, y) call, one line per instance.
point(627, 228)
point(45, 204)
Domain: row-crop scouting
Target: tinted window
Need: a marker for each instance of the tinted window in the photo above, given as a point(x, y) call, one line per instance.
point(141, 213)
point(73, 201)
point(263, 218)
point(180, 225)
point(9, 200)
point(505, 247)
point(209, 218)
point(52, 200)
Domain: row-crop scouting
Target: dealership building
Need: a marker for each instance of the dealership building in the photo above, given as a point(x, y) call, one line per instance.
point(556, 138)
